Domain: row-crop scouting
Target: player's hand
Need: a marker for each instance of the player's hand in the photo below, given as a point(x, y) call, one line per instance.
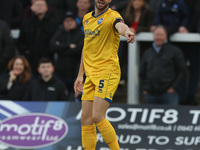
point(133, 30)
point(78, 84)
point(130, 36)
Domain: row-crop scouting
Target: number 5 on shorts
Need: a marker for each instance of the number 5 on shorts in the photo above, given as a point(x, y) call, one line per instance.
point(101, 83)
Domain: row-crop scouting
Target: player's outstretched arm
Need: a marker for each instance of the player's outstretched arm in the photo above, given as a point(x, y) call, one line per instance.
point(124, 30)
point(78, 84)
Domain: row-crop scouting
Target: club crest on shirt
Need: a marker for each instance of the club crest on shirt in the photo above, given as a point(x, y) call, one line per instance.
point(99, 21)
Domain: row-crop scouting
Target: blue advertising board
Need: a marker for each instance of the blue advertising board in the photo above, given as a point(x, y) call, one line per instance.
point(56, 126)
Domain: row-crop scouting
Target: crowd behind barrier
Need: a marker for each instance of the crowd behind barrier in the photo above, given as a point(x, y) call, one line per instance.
point(133, 58)
point(43, 20)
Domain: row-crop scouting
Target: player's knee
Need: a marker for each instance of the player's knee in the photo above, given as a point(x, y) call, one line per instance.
point(86, 120)
point(96, 118)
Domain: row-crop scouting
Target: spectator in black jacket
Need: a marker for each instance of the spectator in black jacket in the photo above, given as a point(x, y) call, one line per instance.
point(7, 49)
point(36, 33)
point(174, 15)
point(138, 16)
point(14, 84)
point(191, 52)
point(28, 12)
point(162, 70)
point(68, 43)
point(11, 11)
point(46, 87)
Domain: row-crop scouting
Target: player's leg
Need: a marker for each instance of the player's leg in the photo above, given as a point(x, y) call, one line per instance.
point(89, 137)
point(107, 131)
point(106, 86)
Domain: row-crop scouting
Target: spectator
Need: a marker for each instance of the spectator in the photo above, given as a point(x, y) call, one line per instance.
point(191, 52)
point(68, 43)
point(14, 83)
point(7, 50)
point(138, 16)
point(162, 70)
point(36, 33)
point(174, 15)
point(46, 87)
point(11, 11)
point(83, 7)
point(28, 12)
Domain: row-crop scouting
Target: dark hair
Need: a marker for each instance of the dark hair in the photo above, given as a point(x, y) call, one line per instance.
point(26, 74)
point(45, 60)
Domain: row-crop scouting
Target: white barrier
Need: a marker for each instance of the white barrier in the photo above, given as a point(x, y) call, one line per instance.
point(133, 59)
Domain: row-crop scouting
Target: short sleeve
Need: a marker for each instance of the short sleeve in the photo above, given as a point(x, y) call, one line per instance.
point(117, 18)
